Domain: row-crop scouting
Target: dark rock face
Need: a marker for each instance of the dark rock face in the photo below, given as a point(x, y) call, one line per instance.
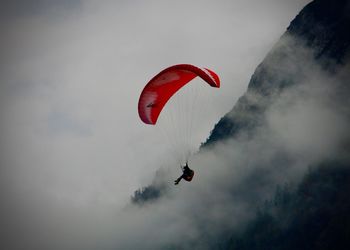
point(320, 32)
point(324, 25)
point(152, 192)
point(147, 194)
point(314, 216)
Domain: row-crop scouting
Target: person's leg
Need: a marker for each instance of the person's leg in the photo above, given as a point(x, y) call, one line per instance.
point(178, 179)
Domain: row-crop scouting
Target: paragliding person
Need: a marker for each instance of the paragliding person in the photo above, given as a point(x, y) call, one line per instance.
point(187, 174)
point(156, 95)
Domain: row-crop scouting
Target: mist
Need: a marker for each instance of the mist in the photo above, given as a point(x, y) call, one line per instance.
point(74, 150)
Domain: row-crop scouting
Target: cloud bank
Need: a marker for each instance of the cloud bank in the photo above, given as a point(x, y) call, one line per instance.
point(73, 149)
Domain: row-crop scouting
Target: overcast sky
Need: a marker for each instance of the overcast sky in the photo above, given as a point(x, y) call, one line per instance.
point(71, 73)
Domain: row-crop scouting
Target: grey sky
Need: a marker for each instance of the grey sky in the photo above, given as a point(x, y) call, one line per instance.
point(71, 74)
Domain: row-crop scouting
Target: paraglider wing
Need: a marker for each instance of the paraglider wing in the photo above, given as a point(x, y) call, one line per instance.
point(164, 85)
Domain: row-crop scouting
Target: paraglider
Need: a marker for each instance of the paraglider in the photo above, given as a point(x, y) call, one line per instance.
point(158, 92)
point(164, 85)
point(187, 174)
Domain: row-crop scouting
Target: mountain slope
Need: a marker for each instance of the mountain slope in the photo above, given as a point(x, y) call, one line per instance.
point(323, 27)
point(314, 216)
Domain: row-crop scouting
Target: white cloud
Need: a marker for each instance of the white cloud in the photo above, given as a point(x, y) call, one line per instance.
point(73, 148)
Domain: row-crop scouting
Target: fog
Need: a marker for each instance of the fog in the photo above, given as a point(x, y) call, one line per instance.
point(73, 149)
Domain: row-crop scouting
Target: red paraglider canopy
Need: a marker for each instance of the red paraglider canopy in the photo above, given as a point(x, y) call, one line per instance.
point(164, 85)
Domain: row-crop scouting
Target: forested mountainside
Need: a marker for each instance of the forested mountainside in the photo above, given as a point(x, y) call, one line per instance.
point(323, 28)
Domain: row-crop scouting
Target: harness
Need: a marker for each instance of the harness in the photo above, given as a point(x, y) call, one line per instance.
point(189, 176)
